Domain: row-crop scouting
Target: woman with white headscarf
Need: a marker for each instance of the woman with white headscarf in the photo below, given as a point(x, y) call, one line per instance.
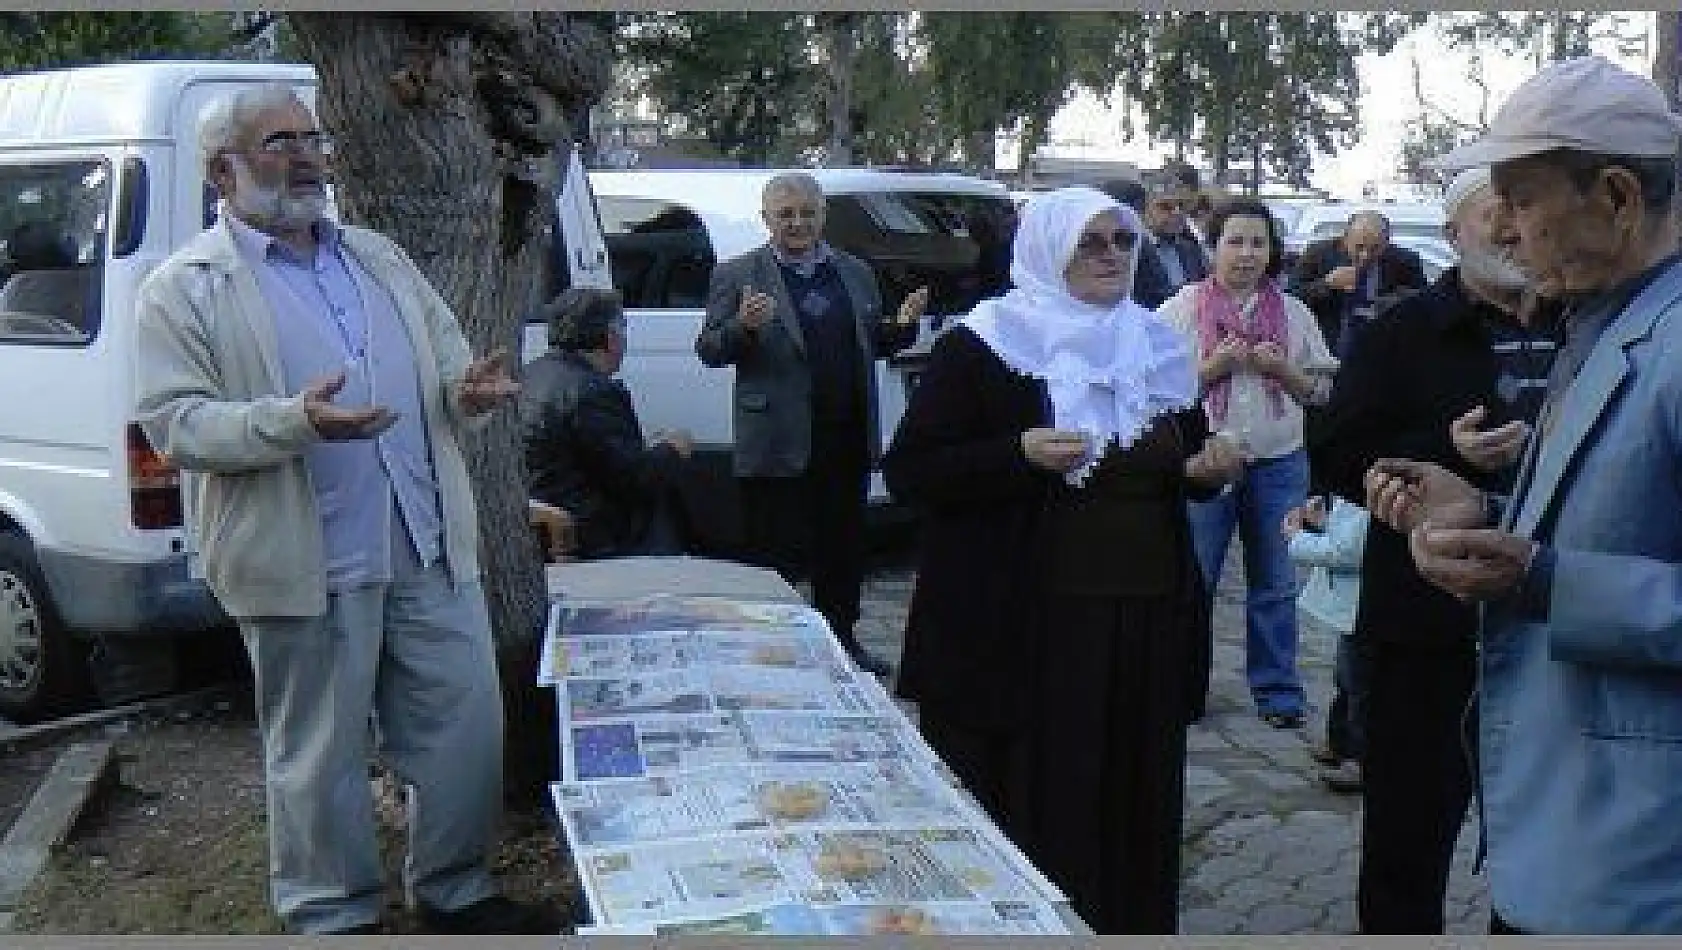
point(1051, 444)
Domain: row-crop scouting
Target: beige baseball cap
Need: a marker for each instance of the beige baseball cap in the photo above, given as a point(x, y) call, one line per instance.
point(1587, 104)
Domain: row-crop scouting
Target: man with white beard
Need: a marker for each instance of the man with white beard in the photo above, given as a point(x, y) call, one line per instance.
point(314, 388)
point(1453, 374)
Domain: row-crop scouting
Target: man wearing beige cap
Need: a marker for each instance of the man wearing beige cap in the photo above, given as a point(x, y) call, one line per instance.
point(1580, 573)
point(1452, 374)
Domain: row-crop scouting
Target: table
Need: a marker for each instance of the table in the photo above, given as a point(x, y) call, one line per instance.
point(633, 577)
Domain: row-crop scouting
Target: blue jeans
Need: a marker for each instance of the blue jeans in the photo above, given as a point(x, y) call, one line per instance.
point(1256, 505)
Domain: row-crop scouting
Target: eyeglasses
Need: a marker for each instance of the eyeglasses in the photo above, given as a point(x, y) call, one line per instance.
point(296, 143)
point(1092, 244)
point(791, 214)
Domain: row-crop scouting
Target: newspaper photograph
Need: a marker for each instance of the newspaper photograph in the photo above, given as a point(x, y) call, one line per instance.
point(649, 746)
point(810, 650)
point(719, 800)
point(653, 614)
point(669, 692)
point(875, 920)
point(666, 881)
point(648, 884)
point(620, 656)
point(827, 737)
point(770, 688)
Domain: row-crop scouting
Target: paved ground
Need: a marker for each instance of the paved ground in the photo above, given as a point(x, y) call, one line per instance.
point(1269, 849)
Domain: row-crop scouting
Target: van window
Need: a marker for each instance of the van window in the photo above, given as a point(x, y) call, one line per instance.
point(659, 252)
point(53, 222)
point(957, 245)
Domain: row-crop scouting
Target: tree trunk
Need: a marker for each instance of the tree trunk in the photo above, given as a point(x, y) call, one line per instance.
point(840, 31)
point(981, 153)
point(448, 126)
point(1667, 58)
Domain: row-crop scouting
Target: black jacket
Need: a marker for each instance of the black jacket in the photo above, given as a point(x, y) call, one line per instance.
point(585, 452)
point(1417, 366)
point(1399, 269)
point(957, 458)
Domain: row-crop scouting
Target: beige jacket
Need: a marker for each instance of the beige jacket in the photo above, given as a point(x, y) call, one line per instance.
point(210, 397)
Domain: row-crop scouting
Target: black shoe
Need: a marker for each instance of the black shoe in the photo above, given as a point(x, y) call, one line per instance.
point(867, 661)
point(494, 915)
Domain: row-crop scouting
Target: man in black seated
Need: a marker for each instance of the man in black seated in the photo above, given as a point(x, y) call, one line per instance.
point(585, 449)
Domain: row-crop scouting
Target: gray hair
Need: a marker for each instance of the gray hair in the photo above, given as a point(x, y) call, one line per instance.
point(580, 318)
point(1379, 222)
point(229, 118)
point(796, 183)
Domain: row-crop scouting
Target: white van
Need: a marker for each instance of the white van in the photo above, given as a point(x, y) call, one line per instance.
point(665, 230)
point(99, 180)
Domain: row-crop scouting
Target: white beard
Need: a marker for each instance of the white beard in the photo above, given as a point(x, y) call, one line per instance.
point(1488, 266)
point(269, 205)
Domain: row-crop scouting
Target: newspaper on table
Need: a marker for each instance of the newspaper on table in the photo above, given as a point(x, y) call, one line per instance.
point(666, 745)
point(925, 918)
point(597, 641)
point(719, 800)
point(694, 879)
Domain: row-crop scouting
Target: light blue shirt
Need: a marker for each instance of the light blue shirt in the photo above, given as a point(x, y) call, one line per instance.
point(330, 314)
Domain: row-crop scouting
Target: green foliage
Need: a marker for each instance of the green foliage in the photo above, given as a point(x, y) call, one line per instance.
point(1256, 90)
point(747, 81)
point(46, 40)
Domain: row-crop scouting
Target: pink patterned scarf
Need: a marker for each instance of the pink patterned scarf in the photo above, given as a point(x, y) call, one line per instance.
point(1220, 316)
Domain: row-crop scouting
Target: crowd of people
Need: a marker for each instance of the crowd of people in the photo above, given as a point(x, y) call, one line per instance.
point(1479, 476)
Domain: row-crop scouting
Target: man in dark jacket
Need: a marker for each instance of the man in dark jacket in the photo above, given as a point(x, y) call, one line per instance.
point(1342, 279)
point(584, 446)
point(802, 324)
point(1420, 381)
point(1173, 254)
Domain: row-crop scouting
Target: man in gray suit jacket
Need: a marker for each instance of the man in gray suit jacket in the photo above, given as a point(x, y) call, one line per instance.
point(802, 324)
point(1580, 705)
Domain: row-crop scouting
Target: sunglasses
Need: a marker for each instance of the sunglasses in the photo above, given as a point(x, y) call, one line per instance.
point(1092, 244)
point(296, 143)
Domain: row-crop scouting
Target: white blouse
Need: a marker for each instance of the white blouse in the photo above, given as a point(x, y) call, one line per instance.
point(1250, 420)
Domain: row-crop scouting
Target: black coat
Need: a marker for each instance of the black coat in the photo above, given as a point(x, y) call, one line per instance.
point(1416, 367)
point(585, 452)
point(957, 457)
point(1399, 270)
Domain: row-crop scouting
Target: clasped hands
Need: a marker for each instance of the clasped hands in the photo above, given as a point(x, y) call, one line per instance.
point(1233, 355)
point(483, 386)
point(1061, 451)
point(1443, 517)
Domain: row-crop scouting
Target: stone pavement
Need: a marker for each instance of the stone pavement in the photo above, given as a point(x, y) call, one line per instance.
point(1269, 850)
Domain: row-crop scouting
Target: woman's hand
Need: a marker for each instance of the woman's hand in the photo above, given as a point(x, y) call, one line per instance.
point(1218, 463)
point(1055, 450)
point(1269, 359)
point(1228, 357)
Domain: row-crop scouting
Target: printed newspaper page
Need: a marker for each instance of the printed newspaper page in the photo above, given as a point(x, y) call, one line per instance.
point(662, 882)
point(716, 801)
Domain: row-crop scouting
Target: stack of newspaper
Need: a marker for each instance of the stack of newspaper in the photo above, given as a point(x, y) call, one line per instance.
point(727, 769)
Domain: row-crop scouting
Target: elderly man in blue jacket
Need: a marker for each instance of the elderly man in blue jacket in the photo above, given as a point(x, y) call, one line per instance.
point(1580, 574)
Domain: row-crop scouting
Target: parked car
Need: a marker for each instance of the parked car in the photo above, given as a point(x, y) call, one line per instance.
point(666, 229)
point(100, 179)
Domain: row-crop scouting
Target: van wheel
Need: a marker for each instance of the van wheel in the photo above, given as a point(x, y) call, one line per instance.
point(42, 669)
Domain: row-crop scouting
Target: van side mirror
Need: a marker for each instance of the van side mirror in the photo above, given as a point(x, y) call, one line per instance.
point(132, 196)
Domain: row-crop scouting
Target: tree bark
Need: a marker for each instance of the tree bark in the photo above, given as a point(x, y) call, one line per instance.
point(448, 126)
point(1666, 72)
point(840, 31)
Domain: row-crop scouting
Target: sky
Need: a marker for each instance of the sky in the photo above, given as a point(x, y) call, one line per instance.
point(1087, 129)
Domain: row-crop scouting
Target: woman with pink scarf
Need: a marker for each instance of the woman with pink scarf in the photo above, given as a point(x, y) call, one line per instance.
point(1261, 359)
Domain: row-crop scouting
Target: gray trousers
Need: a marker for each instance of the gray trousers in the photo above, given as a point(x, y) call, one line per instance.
point(415, 657)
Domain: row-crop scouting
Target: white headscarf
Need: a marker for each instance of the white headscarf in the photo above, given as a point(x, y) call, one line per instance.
point(1110, 371)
